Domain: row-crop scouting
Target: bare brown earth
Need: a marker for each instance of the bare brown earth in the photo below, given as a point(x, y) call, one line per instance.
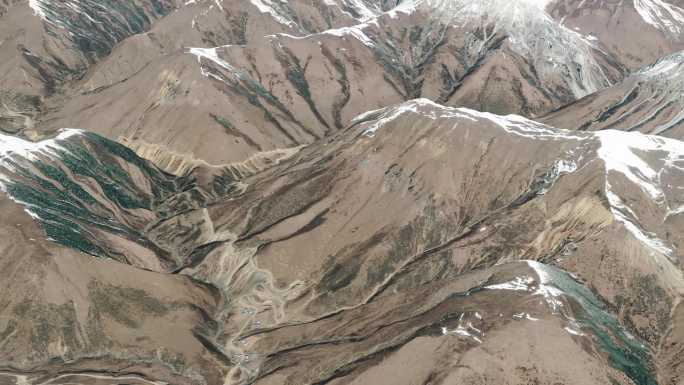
point(307, 272)
point(139, 83)
point(621, 30)
point(648, 101)
point(333, 193)
point(66, 312)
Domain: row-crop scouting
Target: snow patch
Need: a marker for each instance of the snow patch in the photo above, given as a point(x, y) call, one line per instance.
point(574, 330)
point(356, 31)
point(524, 316)
point(407, 7)
point(622, 213)
point(662, 15)
point(518, 284)
point(544, 286)
point(37, 7)
point(211, 54)
point(464, 330)
point(545, 289)
point(268, 7)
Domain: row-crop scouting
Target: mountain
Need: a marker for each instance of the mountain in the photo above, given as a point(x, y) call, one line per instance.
point(341, 192)
point(305, 264)
point(256, 76)
point(636, 32)
point(54, 51)
point(650, 101)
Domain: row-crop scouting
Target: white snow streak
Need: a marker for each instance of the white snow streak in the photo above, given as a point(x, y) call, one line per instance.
point(518, 284)
point(268, 7)
point(662, 15)
point(623, 153)
point(37, 7)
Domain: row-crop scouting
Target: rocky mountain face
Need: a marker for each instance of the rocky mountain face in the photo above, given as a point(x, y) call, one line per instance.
point(341, 192)
point(651, 100)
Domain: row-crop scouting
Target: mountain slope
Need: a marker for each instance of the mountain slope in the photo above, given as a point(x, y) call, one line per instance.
point(528, 58)
point(341, 192)
point(312, 268)
point(68, 317)
point(50, 47)
point(650, 101)
point(635, 32)
point(275, 91)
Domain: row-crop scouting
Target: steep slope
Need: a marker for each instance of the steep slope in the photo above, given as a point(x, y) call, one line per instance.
point(96, 196)
point(99, 197)
point(635, 32)
point(50, 47)
point(47, 43)
point(294, 85)
point(651, 101)
point(68, 317)
point(286, 73)
point(322, 279)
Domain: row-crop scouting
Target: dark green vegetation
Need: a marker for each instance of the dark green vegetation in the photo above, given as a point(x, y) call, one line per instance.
point(625, 353)
point(84, 186)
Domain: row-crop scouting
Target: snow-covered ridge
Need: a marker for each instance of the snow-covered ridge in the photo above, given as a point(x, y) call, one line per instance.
point(669, 67)
point(556, 51)
point(662, 15)
point(11, 146)
point(646, 161)
point(273, 8)
point(13, 150)
point(624, 154)
point(281, 12)
point(652, 99)
point(365, 10)
point(37, 7)
point(513, 124)
point(665, 82)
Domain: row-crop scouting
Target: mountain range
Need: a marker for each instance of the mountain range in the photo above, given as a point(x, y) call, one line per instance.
point(341, 192)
